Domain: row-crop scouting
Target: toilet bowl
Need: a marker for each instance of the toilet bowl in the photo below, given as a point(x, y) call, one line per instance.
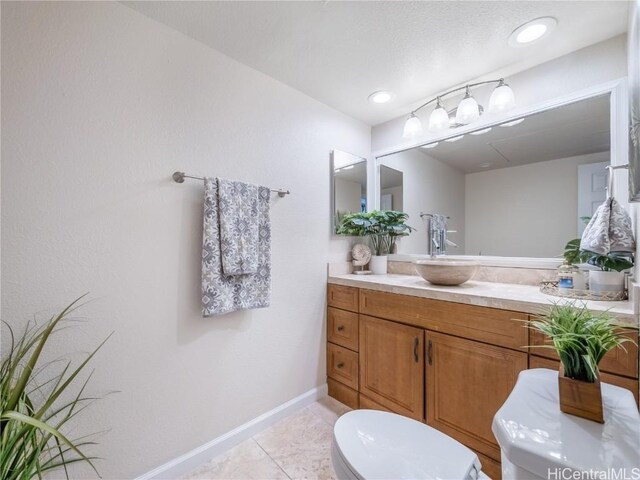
point(369, 444)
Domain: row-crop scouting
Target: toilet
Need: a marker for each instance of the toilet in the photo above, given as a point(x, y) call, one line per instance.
point(370, 444)
point(537, 441)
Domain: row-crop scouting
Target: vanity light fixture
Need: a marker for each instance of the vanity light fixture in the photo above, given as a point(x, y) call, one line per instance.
point(439, 118)
point(412, 127)
point(481, 132)
point(380, 97)
point(454, 139)
point(531, 31)
point(512, 123)
point(468, 110)
point(430, 145)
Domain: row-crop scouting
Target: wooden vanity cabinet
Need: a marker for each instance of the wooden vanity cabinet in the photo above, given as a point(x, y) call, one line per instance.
point(467, 382)
point(392, 365)
point(451, 365)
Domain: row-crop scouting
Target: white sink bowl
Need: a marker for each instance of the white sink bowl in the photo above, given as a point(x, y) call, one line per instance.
point(445, 271)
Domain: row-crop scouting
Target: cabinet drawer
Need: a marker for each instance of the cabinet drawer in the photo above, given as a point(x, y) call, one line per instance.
point(342, 297)
point(342, 365)
point(342, 393)
point(617, 361)
point(624, 382)
point(498, 327)
point(342, 328)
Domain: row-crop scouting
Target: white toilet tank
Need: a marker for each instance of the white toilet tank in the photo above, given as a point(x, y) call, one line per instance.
point(537, 440)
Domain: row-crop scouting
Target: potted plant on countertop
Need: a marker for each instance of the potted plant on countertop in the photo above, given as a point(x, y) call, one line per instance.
point(581, 338)
point(382, 228)
point(610, 277)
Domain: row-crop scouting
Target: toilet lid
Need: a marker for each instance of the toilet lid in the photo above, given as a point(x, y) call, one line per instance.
point(382, 445)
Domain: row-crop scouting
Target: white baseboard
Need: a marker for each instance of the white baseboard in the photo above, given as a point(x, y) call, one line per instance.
point(190, 460)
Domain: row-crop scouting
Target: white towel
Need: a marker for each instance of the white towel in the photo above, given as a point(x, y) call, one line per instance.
point(223, 293)
point(609, 230)
point(238, 215)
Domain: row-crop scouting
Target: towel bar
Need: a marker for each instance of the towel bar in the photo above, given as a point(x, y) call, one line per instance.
point(179, 177)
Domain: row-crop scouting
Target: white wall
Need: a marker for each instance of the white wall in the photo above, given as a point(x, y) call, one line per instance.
point(525, 211)
point(348, 195)
point(593, 65)
point(429, 186)
point(397, 196)
point(100, 106)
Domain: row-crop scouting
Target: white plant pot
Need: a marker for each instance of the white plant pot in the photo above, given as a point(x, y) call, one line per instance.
point(600, 281)
point(378, 264)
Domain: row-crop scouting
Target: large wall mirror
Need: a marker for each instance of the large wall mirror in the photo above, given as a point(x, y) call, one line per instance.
point(348, 185)
point(516, 189)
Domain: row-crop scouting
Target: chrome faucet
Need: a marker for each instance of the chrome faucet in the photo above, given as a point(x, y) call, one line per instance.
point(437, 233)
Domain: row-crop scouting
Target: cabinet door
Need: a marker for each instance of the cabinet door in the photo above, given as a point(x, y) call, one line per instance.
point(467, 382)
point(392, 365)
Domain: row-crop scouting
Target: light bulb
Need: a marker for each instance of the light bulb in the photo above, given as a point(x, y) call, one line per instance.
point(439, 118)
point(502, 98)
point(468, 110)
point(412, 127)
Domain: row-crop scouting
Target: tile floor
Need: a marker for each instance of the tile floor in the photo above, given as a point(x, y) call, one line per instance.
point(297, 447)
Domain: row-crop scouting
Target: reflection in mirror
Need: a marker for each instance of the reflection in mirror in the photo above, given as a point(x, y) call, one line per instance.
point(518, 189)
point(349, 184)
point(390, 189)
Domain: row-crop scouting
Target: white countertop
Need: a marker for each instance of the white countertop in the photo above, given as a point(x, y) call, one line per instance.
point(520, 298)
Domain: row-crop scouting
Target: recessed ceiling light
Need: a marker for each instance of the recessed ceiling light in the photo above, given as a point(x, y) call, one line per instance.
point(485, 165)
point(454, 139)
point(431, 145)
point(481, 132)
point(532, 31)
point(512, 123)
point(380, 97)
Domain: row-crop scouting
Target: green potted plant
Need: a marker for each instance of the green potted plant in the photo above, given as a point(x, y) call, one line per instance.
point(581, 338)
point(37, 405)
point(610, 276)
point(382, 228)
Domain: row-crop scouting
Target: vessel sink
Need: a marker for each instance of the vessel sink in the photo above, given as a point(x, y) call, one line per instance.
point(446, 271)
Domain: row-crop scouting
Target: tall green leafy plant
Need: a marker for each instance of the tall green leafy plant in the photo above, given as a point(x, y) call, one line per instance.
point(580, 337)
point(36, 405)
point(382, 228)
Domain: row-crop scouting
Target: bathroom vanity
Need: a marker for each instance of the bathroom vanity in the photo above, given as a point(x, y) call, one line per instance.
point(447, 356)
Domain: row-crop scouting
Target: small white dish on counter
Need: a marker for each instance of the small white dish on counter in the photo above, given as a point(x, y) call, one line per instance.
point(446, 271)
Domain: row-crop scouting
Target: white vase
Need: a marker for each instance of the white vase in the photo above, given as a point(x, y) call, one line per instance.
point(600, 281)
point(378, 264)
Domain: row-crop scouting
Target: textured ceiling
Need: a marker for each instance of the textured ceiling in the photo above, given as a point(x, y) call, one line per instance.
point(340, 52)
point(576, 129)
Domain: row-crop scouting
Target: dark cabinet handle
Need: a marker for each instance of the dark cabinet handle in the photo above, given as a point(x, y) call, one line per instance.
point(416, 344)
point(430, 352)
point(340, 365)
point(340, 328)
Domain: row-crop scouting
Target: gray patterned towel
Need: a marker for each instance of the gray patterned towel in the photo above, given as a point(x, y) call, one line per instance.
point(609, 230)
point(227, 293)
point(238, 216)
